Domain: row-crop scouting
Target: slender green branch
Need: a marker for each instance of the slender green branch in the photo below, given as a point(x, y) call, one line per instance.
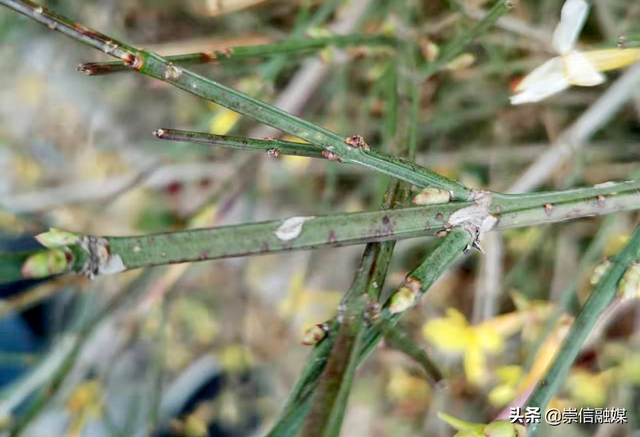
point(457, 46)
point(303, 233)
point(590, 255)
point(330, 401)
point(274, 146)
point(404, 343)
point(299, 402)
point(353, 148)
point(293, 46)
point(598, 301)
point(330, 397)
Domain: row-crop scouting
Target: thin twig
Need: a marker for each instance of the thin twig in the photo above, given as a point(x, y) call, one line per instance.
point(598, 301)
point(249, 52)
point(352, 148)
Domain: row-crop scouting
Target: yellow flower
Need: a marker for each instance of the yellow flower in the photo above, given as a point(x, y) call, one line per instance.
point(314, 306)
point(520, 240)
point(505, 392)
point(84, 404)
point(223, 120)
point(630, 368)
point(615, 244)
point(572, 67)
point(235, 358)
point(546, 353)
point(589, 389)
point(27, 170)
point(402, 386)
point(454, 334)
point(204, 218)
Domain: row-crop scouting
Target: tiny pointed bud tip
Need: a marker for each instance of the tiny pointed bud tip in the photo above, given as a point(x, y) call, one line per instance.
point(402, 300)
point(315, 334)
point(57, 238)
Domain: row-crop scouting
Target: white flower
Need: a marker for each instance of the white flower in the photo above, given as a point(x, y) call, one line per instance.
point(572, 67)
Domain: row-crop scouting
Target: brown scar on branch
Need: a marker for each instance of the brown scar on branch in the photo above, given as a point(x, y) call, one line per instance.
point(548, 208)
point(132, 61)
point(357, 142)
point(274, 153)
point(601, 200)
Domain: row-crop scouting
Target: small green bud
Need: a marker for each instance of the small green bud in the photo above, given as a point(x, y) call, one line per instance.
point(629, 285)
point(402, 300)
point(315, 334)
point(599, 271)
point(56, 238)
point(432, 196)
point(319, 32)
point(46, 263)
point(405, 297)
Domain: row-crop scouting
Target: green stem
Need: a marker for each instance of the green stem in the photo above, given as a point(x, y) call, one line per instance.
point(590, 255)
point(299, 402)
point(292, 46)
point(404, 343)
point(330, 401)
point(330, 397)
point(598, 301)
point(282, 147)
point(340, 229)
point(457, 46)
point(153, 65)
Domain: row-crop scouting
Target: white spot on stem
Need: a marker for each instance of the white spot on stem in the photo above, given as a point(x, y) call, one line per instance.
point(291, 228)
point(113, 265)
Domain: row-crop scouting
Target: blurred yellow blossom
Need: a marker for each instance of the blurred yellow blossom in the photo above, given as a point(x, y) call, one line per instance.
point(521, 240)
point(589, 389)
point(453, 334)
point(84, 403)
point(402, 386)
point(10, 223)
point(546, 352)
point(26, 170)
point(629, 369)
point(505, 391)
point(204, 218)
point(235, 358)
point(312, 305)
point(615, 244)
point(99, 164)
point(223, 120)
point(195, 426)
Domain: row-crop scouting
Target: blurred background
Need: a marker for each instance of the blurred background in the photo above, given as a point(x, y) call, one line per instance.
point(213, 348)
